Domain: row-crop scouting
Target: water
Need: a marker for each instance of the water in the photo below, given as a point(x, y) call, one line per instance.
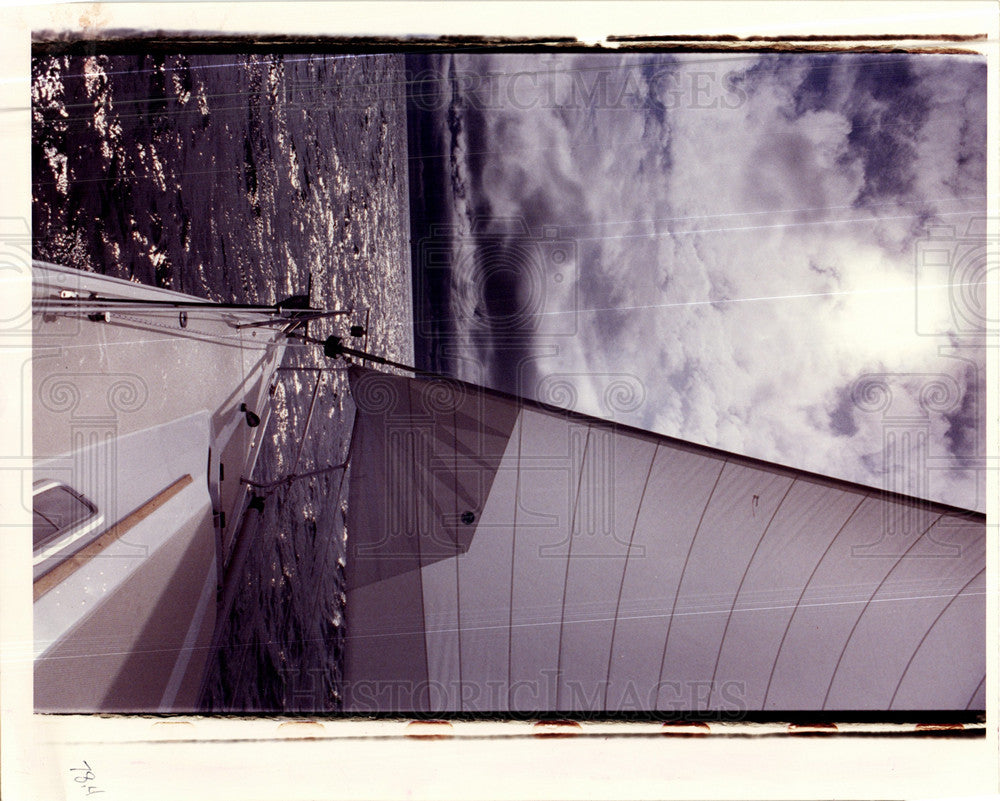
point(233, 178)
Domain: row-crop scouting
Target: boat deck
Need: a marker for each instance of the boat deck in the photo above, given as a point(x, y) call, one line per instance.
point(139, 408)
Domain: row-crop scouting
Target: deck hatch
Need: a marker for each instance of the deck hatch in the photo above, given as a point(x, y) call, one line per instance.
point(59, 513)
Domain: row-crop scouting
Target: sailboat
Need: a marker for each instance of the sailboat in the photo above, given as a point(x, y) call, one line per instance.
point(148, 408)
point(504, 556)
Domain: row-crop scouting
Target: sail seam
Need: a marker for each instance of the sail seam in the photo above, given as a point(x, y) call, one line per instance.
point(850, 636)
point(739, 589)
point(513, 559)
point(420, 567)
point(458, 556)
point(798, 603)
point(569, 557)
point(621, 584)
point(680, 580)
point(975, 692)
point(927, 633)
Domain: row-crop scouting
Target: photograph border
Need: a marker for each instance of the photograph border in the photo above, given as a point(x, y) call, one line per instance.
point(131, 756)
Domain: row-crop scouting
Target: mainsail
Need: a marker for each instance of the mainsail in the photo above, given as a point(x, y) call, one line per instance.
point(506, 556)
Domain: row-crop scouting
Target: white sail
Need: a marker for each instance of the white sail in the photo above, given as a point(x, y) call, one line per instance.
point(604, 569)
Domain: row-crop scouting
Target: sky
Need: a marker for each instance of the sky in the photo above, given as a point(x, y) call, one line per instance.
point(770, 254)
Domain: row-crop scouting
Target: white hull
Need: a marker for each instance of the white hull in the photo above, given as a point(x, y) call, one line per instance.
point(140, 414)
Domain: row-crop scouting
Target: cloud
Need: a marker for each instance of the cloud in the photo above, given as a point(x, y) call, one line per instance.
point(842, 417)
point(743, 234)
point(964, 435)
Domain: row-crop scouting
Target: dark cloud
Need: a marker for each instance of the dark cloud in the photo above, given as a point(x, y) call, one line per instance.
point(761, 72)
point(874, 464)
point(783, 172)
point(888, 104)
point(610, 326)
point(970, 159)
point(815, 93)
point(680, 380)
point(828, 271)
point(511, 368)
point(966, 423)
point(656, 124)
point(655, 108)
point(887, 109)
point(842, 421)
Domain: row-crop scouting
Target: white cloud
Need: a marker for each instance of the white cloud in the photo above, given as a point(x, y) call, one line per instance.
point(701, 198)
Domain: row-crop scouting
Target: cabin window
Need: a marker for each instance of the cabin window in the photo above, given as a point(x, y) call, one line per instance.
point(61, 516)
